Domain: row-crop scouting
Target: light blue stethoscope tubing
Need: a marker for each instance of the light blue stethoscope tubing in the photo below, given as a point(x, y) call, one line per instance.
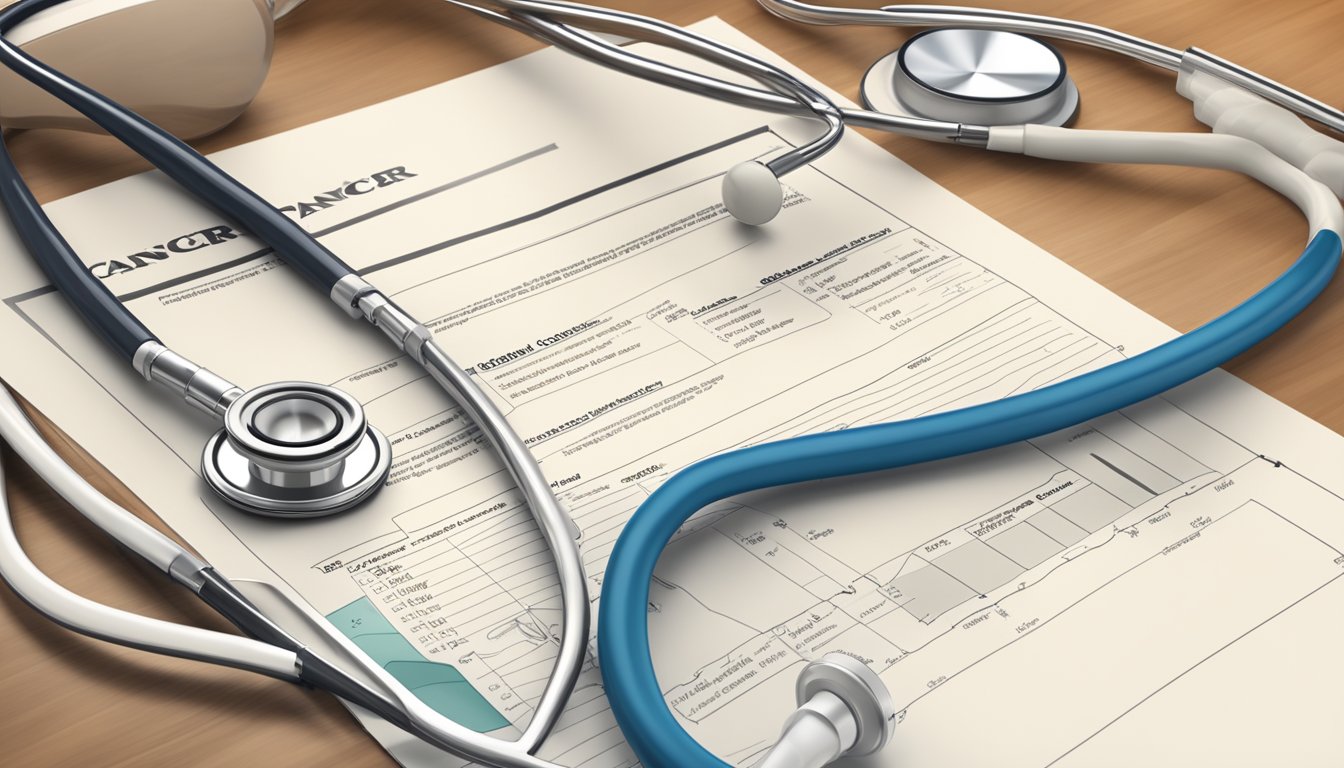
point(623, 632)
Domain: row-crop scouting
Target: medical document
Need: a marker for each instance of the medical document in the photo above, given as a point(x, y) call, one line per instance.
point(1161, 586)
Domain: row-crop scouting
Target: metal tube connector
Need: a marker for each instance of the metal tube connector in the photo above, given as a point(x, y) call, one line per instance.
point(203, 389)
point(406, 332)
point(358, 298)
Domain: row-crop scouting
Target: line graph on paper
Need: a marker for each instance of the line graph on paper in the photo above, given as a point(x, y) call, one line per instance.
point(1113, 521)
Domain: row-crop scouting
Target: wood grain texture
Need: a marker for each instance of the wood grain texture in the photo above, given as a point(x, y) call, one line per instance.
point(1180, 244)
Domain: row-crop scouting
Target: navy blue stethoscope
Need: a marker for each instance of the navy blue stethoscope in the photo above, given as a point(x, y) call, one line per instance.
point(298, 450)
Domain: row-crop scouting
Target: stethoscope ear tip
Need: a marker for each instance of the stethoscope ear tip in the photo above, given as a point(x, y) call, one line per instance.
point(296, 449)
point(752, 193)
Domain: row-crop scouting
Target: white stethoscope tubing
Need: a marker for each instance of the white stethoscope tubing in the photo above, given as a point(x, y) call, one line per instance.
point(124, 628)
point(129, 530)
point(133, 630)
point(1200, 150)
point(95, 619)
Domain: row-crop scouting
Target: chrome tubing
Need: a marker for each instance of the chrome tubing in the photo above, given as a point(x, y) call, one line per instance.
point(556, 526)
point(589, 46)
point(1091, 35)
point(360, 299)
point(977, 18)
point(645, 29)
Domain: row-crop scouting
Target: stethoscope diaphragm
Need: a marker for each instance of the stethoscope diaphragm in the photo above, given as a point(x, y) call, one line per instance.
point(974, 76)
point(295, 449)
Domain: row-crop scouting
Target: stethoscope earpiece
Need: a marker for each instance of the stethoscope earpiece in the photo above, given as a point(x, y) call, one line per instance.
point(752, 193)
point(295, 449)
point(974, 76)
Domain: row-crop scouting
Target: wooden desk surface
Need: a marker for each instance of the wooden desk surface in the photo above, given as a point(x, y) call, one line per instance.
point(1180, 244)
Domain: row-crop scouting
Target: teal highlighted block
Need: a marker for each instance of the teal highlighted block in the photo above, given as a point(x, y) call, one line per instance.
point(438, 685)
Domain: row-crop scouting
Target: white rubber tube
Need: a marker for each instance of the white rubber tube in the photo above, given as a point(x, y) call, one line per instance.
point(1201, 150)
point(113, 625)
point(1231, 110)
point(131, 531)
point(106, 623)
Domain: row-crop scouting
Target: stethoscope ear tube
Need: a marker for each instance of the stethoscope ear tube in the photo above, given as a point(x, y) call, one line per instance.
point(85, 293)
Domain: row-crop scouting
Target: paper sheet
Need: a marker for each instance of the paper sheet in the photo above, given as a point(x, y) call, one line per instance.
point(1158, 587)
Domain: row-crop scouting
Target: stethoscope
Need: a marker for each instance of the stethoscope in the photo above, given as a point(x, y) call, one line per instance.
point(285, 449)
point(296, 450)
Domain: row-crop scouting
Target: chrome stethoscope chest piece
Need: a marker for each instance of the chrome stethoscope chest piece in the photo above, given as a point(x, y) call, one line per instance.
point(977, 76)
point(295, 449)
